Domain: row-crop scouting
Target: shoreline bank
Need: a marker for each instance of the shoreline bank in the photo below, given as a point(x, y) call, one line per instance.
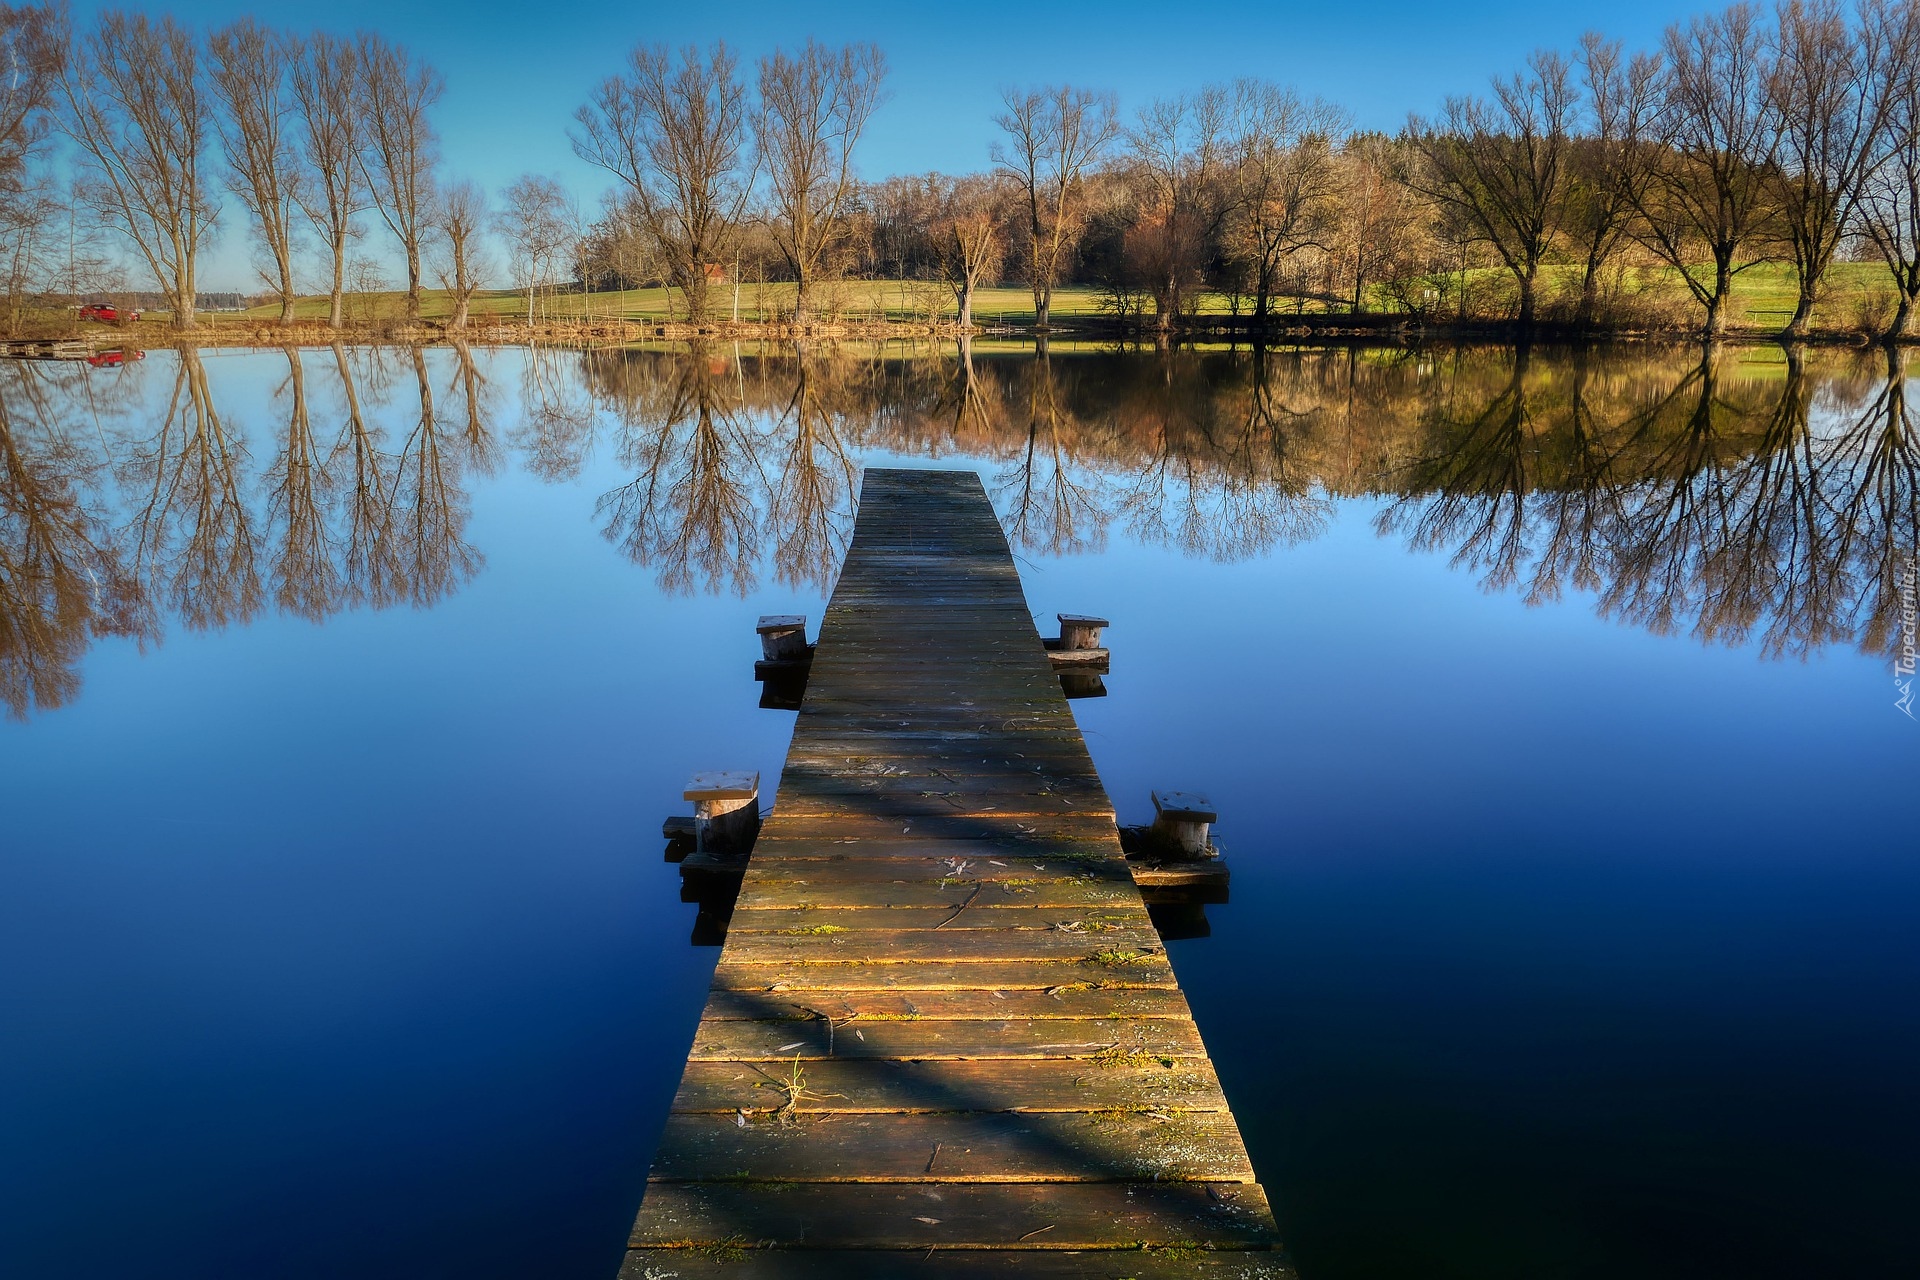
point(1383, 330)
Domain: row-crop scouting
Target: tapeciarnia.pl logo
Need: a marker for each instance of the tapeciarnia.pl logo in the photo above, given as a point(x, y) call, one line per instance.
point(1903, 659)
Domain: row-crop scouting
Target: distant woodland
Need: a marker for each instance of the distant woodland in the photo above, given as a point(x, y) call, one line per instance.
point(1592, 189)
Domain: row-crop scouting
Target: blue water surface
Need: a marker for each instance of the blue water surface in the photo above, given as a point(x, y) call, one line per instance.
point(1557, 947)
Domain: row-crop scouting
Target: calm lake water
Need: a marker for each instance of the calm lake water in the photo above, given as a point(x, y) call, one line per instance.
point(1549, 704)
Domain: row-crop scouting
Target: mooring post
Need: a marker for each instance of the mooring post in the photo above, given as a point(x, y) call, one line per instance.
point(1080, 630)
point(726, 810)
point(783, 637)
point(1180, 823)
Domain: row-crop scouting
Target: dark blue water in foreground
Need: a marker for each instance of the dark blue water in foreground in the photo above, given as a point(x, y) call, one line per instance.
point(1563, 942)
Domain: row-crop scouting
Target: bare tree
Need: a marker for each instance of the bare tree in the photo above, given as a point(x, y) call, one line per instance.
point(1384, 226)
point(1892, 200)
point(326, 91)
point(1176, 153)
point(32, 52)
point(535, 220)
point(674, 132)
point(1714, 137)
point(814, 106)
point(974, 242)
point(459, 222)
point(1829, 85)
point(618, 248)
point(1501, 166)
point(400, 149)
point(1287, 181)
point(249, 78)
point(1054, 135)
point(135, 105)
point(1607, 164)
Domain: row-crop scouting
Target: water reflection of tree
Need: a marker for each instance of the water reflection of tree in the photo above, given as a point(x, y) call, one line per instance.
point(473, 394)
point(1226, 480)
point(306, 580)
point(1738, 497)
point(813, 474)
point(62, 581)
point(1706, 505)
point(370, 569)
point(195, 543)
point(689, 512)
point(1047, 501)
point(557, 420)
point(1876, 471)
point(429, 512)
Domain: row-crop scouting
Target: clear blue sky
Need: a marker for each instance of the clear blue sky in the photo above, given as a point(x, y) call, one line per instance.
point(516, 71)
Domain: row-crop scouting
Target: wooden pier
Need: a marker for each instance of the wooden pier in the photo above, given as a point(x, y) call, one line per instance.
point(943, 1038)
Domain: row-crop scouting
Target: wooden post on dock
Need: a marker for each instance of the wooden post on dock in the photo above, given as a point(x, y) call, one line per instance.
point(1080, 630)
point(783, 637)
point(1078, 649)
point(1181, 823)
point(785, 660)
point(726, 810)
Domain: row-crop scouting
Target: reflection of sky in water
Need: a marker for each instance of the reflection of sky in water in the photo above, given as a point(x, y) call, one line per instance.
point(1559, 945)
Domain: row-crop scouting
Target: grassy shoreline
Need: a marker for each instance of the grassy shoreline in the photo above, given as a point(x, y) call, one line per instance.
point(1857, 294)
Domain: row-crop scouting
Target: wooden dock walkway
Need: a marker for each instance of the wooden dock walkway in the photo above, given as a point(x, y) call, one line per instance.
point(943, 1038)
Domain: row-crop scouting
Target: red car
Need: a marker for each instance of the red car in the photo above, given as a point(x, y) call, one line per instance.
point(114, 359)
point(105, 313)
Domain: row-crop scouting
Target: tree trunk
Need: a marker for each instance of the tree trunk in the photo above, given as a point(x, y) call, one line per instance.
point(413, 283)
point(286, 289)
point(336, 311)
point(1902, 327)
point(1717, 304)
point(966, 307)
point(1589, 297)
point(1042, 307)
point(1802, 322)
point(459, 320)
point(1526, 301)
point(695, 290)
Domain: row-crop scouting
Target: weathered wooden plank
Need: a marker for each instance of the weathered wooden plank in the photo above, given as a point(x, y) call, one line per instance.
point(923, 1038)
point(852, 786)
point(980, 1215)
point(1124, 1083)
point(1126, 947)
point(965, 775)
point(1022, 1263)
point(790, 884)
point(930, 975)
point(960, 913)
point(1036, 807)
point(782, 839)
point(969, 1146)
point(1079, 1002)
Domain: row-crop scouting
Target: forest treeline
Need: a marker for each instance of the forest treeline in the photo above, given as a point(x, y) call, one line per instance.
point(1590, 188)
point(1690, 490)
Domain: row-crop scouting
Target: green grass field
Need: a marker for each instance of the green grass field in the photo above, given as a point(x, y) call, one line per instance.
point(1763, 301)
point(864, 300)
